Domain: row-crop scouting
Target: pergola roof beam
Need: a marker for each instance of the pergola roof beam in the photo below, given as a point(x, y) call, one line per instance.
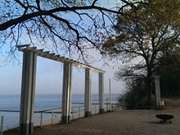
point(55, 57)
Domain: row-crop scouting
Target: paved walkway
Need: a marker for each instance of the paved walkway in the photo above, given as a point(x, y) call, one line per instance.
point(137, 122)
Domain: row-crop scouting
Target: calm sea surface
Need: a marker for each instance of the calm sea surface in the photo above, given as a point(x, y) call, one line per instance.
point(42, 102)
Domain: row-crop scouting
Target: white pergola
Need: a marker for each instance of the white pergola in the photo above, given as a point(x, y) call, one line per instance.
point(29, 80)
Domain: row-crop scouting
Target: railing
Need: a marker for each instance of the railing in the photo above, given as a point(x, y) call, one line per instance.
point(47, 117)
point(9, 119)
point(53, 115)
point(1, 125)
point(78, 112)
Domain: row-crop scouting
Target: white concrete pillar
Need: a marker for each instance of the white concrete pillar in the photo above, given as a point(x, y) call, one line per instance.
point(87, 98)
point(27, 92)
point(110, 96)
point(66, 96)
point(101, 92)
point(157, 91)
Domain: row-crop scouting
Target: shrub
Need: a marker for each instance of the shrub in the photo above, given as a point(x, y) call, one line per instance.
point(136, 96)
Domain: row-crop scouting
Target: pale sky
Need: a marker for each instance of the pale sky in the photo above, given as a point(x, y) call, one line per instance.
point(49, 78)
point(49, 74)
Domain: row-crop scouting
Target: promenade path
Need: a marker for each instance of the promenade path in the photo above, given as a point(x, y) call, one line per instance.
point(124, 122)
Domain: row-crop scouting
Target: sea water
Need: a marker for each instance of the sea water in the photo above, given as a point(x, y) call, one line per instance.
point(42, 102)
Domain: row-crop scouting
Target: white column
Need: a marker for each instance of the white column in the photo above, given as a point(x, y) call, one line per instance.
point(27, 92)
point(157, 91)
point(110, 96)
point(101, 92)
point(66, 96)
point(87, 93)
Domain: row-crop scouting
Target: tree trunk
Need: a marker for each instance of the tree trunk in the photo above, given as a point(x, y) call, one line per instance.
point(149, 86)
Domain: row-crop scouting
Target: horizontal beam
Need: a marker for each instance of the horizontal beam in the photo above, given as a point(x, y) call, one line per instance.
point(53, 56)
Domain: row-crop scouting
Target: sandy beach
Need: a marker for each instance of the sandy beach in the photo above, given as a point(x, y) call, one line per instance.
point(124, 122)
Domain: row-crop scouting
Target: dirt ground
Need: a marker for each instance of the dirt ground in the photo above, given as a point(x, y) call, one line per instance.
point(124, 122)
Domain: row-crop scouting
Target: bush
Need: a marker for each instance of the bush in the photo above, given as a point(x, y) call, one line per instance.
point(136, 97)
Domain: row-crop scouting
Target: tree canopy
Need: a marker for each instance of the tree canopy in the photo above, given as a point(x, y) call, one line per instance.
point(169, 71)
point(146, 32)
point(143, 34)
point(77, 24)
